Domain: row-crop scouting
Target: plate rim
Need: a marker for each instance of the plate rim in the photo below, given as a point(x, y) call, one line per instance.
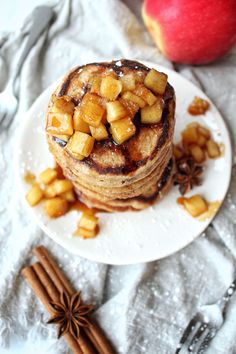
point(63, 242)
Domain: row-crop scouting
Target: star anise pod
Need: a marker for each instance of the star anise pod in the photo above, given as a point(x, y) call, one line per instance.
point(188, 174)
point(70, 315)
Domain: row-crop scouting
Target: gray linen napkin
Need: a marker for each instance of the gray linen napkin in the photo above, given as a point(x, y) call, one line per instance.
point(144, 308)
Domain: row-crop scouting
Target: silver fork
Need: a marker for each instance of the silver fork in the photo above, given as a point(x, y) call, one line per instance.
point(203, 327)
point(41, 18)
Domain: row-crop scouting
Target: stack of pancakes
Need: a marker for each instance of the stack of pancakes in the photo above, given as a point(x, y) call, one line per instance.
point(130, 176)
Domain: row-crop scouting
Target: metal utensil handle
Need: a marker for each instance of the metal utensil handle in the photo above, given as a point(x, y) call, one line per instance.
point(227, 295)
point(42, 16)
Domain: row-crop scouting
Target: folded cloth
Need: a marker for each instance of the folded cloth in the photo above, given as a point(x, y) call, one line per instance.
point(143, 308)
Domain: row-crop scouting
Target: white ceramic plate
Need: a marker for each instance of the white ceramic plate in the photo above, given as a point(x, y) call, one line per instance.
point(129, 237)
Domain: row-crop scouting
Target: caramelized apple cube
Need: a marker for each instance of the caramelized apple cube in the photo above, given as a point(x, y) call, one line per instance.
point(197, 153)
point(88, 221)
point(81, 144)
point(213, 149)
point(195, 205)
point(134, 98)
point(70, 148)
point(110, 88)
point(85, 233)
point(79, 124)
point(190, 135)
point(201, 140)
point(130, 106)
point(152, 114)
point(198, 106)
point(59, 123)
point(122, 130)
point(128, 82)
point(92, 97)
point(115, 111)
point(156, 81)
point(100, 132)
point(145, 94)
point(63, 104)
point(92, 109)
point(62, 185)
point(96, 84)
point(69, 196)
point(92, 113)
point(48, 175)
point(34, 195)
point(49, 191)
point(56, 207)
point(204, 131)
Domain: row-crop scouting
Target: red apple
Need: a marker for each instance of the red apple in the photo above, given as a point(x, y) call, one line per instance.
point(191, 31)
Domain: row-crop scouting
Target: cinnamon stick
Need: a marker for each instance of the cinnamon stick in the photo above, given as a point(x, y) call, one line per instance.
point(102, 343)
point(30, 275)
point(96, 344)
point(93, 332)
point(53, 270)
point(61, 282)
point(46, 282)
point(55, 296)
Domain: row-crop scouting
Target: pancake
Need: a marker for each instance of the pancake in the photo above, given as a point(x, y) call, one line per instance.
point(123, 191)
point(117, 177)
point(154, 193)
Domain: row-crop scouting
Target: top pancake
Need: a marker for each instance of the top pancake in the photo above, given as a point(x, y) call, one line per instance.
point(109, 163)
